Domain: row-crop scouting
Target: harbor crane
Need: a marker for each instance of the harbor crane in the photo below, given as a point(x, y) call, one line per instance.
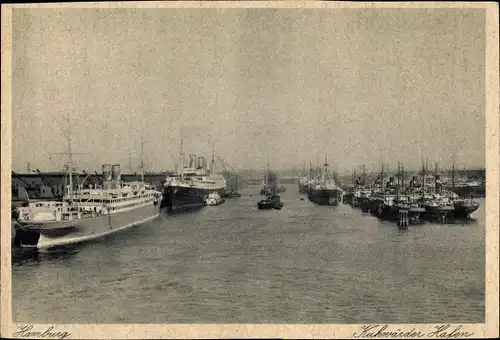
point(226, 165)
point(230, 172)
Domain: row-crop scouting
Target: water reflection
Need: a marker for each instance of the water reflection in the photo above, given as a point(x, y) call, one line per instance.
point(31, 256)
point(236, 264)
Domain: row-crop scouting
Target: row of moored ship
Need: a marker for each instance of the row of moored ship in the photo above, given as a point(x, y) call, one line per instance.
point(396, 199)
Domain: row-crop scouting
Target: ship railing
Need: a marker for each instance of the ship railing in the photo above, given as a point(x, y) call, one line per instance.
point(69, 215)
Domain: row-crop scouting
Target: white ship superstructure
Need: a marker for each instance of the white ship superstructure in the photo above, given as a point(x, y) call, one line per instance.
point(88, 213)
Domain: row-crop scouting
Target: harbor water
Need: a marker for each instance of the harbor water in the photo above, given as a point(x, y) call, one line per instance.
point(233, 263)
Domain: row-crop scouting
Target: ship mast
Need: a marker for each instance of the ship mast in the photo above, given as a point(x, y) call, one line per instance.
point(436, 177)
point(182, 153)
point(382, 178)
point(318, 170)
point(213, 164)
point(423, 178)
point(453, 172)
point(69, 166)
point(142, 154)
point(364, 175)
point(266, 174)
point(130, 162)
point(325, 174)
point(402, 178)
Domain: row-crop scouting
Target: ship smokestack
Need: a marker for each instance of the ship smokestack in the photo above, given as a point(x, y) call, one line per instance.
point(116, 175)
point(192, 161)
point(106, 176)
point(437, 184)
point(201, 162)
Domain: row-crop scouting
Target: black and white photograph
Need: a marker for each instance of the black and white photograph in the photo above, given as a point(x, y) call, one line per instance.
point(189, 169)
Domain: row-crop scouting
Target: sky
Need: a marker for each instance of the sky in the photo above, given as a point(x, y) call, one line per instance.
point(284, 86)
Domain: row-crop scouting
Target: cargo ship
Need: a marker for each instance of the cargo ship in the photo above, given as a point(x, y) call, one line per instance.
point(325, 191)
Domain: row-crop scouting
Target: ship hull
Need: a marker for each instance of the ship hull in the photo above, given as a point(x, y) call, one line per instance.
point(265, 205)
point(438, 213)
point(268, 205)
point(464, 210)
point(467, 191)
point(46, 235)
point(365, 203)
point(380, 209)
point(180, 198)
point(348, 199)
point(325, 196)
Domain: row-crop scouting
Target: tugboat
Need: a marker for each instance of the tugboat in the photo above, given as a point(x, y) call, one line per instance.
point(232, 194)
point(214, 199)
point(271, 183)
point(267, 188)
point(272, 201)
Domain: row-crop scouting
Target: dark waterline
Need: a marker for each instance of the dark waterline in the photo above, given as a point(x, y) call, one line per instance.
point(235, 264)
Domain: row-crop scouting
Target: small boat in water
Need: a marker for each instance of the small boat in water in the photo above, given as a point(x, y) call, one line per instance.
point(232, 194)
point(214, 199)
point(271, 202)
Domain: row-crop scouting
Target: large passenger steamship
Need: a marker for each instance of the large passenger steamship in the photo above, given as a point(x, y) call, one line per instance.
point(193, 184)
point(87, 212)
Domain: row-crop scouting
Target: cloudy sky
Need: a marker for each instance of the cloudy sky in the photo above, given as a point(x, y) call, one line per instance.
point(362, 86)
